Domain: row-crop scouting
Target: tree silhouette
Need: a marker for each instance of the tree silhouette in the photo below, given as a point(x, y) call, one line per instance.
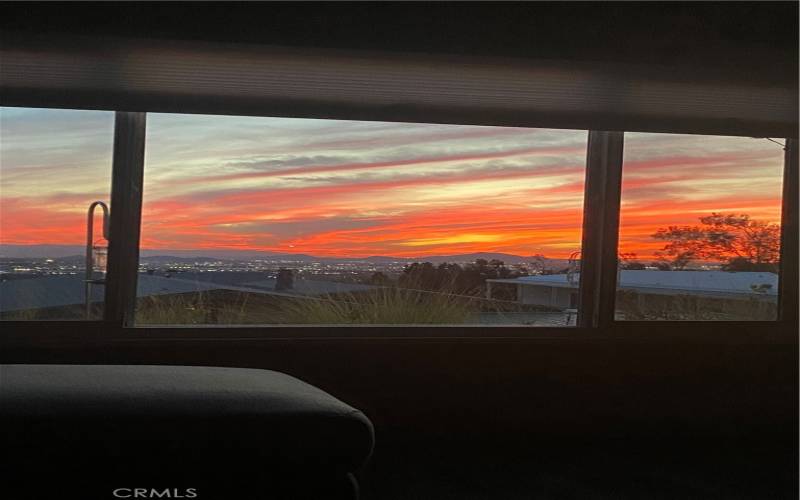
point(627, 260)
point(285, 280)
point(453, 278)
point(380, 279)
point(538, 264)
point(737, 241)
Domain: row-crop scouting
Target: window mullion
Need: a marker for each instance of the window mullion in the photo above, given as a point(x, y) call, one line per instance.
point(788, 281)
point(126, 207)
point(601, 207)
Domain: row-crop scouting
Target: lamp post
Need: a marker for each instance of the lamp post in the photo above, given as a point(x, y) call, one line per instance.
point(95, 254)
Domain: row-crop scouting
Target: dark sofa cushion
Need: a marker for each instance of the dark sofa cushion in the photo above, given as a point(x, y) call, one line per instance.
point(201, 418)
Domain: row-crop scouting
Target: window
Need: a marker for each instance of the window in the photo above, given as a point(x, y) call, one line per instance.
point(300, 221)
point(286, 221)
point(699, 228)
point(54, 164)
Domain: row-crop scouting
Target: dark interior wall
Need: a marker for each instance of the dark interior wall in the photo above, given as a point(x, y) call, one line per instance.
point(513, 390)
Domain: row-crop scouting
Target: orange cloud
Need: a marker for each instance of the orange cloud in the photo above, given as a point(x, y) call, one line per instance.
point(365, 196)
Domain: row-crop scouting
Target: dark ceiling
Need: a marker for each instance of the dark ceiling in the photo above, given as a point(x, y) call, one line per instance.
point(756, 34)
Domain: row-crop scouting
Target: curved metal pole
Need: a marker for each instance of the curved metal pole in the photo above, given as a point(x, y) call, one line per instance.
point(89, 271)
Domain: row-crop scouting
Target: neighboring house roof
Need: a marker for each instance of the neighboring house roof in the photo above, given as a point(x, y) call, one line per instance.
point(65, 290)
point(47, 291)
point(716, 283)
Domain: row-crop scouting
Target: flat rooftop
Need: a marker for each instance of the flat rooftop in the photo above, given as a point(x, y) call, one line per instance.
point(714, 283)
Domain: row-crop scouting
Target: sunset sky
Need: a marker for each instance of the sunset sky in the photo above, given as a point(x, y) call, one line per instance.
point(354, 189)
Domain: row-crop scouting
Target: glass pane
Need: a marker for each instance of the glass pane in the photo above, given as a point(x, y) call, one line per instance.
point(53, 165)
point(299, 221)
point(700, 228)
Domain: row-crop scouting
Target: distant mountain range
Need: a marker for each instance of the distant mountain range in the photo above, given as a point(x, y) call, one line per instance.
point(73, 252)
point(466, 257)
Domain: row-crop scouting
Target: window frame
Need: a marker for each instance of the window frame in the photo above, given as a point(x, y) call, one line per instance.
point(596, 314)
